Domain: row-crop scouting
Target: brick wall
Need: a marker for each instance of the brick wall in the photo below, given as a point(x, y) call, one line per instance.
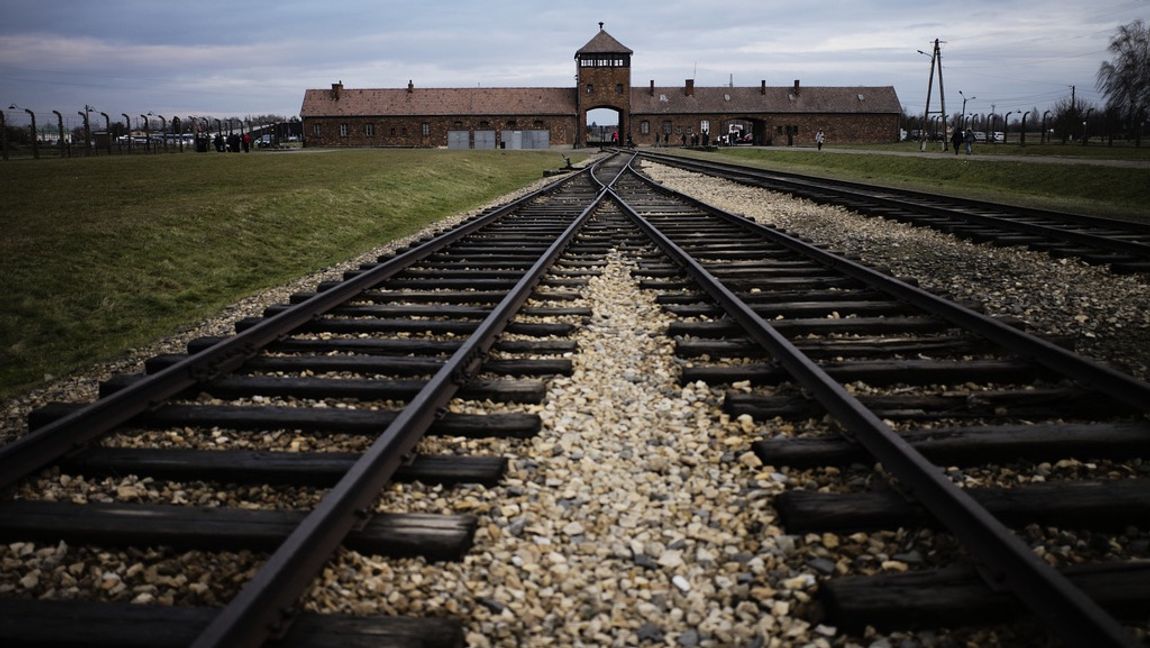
point(839, 129)
point(610, 88)
point(408, 131)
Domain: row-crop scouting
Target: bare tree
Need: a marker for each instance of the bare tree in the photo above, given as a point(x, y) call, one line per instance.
point(1125, 80)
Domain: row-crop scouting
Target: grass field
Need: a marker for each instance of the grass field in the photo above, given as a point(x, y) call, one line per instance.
point(100, 255)
point(1110, 191)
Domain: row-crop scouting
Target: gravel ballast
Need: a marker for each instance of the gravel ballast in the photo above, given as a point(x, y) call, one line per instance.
point(638, 515)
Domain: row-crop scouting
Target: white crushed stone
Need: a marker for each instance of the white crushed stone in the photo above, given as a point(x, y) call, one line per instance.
point(1106, 315)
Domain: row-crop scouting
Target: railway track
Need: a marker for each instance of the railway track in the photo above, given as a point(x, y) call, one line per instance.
point(378, 356)
point(1123, 246)
point(913, 382)
point(986, 391)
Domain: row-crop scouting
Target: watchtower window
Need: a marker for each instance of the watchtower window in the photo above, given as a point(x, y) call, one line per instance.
point(618, 88)
point(590, 88)
point(606, 61)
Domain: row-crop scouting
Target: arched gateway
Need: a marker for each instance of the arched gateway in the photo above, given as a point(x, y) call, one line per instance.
point(483, 117)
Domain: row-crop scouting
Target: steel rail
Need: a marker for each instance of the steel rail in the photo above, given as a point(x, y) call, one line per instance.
point(261, 609)
point(1115, 384)
point(1094, 240)
point(40, 447)
point(1075, 617)
point(1030, 212)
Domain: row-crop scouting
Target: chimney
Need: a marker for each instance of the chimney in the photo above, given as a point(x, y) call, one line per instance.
point(652, 87)
point(410, 86)
point(796, 92)
point(336, 89)
point(763, 87)
point(690, 88)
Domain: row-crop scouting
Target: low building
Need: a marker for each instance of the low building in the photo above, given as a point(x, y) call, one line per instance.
point(545, 117)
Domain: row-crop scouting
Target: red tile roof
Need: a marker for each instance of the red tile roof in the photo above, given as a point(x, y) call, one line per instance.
point(439, 101)
point(561, 101)
point(603, 43)
point(811, 99)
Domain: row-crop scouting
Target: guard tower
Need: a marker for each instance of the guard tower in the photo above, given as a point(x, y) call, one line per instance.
point(603, 68)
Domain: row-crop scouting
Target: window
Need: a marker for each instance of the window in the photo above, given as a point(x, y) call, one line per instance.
point(425, 128)
point(618, 88)
point(343, 130)
point(645, 127)
point(393, 131)
point(315, 130)
point(590, 88)
point(538, 123)
point(667, 127)
point(704, 126)
point(403, 131)
point(511, 124)
point(457, 124)
point(369, 130)
point(485, 124)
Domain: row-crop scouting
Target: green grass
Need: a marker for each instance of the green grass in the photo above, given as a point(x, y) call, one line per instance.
point(1116, 192)
point(100, 255)
point(1095, 150)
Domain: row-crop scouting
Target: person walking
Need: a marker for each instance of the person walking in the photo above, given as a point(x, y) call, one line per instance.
point(968, 138)
point(819, 139)
point(957, 140)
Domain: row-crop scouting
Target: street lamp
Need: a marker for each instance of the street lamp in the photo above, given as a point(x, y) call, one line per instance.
point(1042, 139)
point(128, 129)
point(1006, 126)
point(60, 131)
point(1022, 134)
point(1085, 134)
point(35, 147)
point(964, 100)
point(108, 130)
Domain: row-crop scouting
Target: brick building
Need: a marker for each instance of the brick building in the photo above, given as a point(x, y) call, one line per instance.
point(543, 117)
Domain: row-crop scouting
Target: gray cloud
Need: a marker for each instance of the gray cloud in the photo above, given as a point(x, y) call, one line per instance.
point(221, 57)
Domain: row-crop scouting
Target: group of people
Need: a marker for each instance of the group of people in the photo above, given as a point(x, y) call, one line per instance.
point(961, 138)
point(234, 143)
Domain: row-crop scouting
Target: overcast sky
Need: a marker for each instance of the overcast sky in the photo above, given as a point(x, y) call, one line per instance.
point(217, 57)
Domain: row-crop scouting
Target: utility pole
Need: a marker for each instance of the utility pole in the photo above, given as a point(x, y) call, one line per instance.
point(935, 59)
point(941, 95)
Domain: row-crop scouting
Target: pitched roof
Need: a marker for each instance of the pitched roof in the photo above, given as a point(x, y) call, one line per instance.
point(811, 99)
point(439, 101)
point(603, 43)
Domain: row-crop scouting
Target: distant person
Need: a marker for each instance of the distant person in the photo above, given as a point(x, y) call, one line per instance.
point(218, 142)
point(247, 142)
point(666, 138)
point(614, 137)
point(684, 138)
point(968, 139)
point(957, 139)
point(819, 139)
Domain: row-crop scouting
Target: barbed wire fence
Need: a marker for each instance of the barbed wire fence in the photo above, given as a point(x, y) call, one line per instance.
point(25, 133)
